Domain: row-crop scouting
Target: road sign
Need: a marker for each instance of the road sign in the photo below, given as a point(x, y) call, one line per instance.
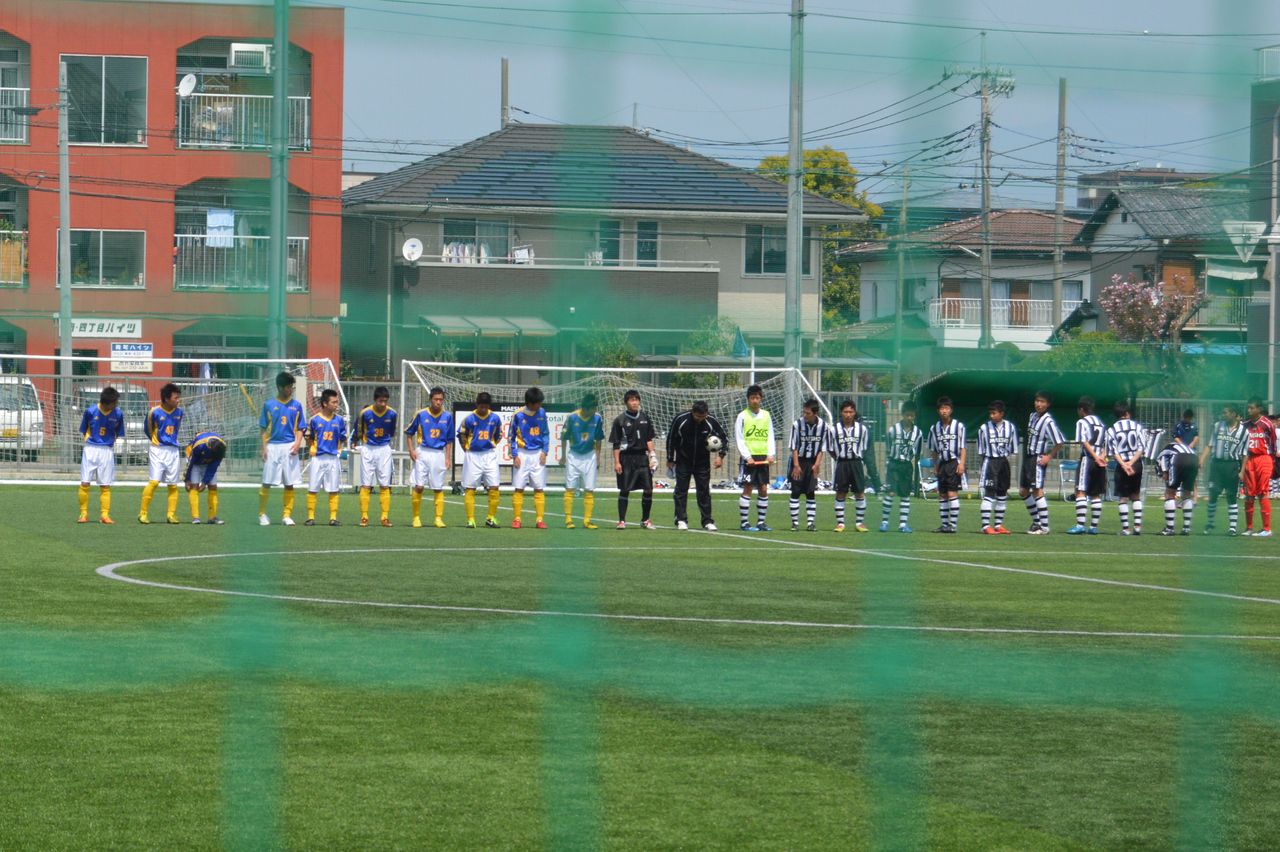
point(1244, 236)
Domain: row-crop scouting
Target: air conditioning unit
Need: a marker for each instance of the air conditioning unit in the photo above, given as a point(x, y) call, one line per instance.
point(250, 58)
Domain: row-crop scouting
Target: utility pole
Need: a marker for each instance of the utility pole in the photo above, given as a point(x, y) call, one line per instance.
point(278, 260)
point(1060, 203)
point(64, 239)
point(1273, 247)
point(506, 93)
point(902, 282)
point(795, 196)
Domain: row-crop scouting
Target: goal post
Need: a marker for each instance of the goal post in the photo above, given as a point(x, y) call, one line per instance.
point(664, 393)
point(39, 420)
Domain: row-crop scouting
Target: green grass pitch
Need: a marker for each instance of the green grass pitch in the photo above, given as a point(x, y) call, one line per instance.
point(773, 690)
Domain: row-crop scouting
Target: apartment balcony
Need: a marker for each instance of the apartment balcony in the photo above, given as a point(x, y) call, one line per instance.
point(13, 125)
point(13, 258)
point(1224, 312)
point(220, 263)
point(1005, 313)
point(238, 122)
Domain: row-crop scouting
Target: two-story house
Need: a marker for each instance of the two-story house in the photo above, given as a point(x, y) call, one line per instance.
point(509, 248)
point(169, 206)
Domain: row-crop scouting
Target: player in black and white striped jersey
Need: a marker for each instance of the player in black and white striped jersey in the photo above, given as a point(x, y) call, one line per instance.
point(847, 441)
point(1222, 457)
point(1177, 464)
point(1043, 438)
point(1091, 477)
point(1126, 443)
point(808, 440)
point(947, 446)
point(903, 444)
point(997, 440)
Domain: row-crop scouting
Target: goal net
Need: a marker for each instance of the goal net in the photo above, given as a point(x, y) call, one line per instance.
point(40, 411)
point(664, 393)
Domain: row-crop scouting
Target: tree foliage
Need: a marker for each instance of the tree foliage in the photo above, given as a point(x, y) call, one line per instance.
point(606, 346)
point(714, 337)
point(827, 173)
point(1142, 312)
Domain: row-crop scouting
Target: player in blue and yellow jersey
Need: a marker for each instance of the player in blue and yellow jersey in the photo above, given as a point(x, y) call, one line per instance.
point(530, 441)
point(163, 458)
point(281, 422)
point(583, 433)
point(480, 433)
point(374, 428)
point(101, 425)
point(327, 435)
point(431, 449)
point(204, 454)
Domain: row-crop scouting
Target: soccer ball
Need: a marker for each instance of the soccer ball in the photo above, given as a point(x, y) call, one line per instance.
point(714, 443)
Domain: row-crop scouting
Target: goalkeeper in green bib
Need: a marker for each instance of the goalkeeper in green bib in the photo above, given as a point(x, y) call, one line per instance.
point(753, 433)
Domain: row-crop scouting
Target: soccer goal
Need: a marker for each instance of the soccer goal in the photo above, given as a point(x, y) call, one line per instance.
point(40, 411)
point(664, 392)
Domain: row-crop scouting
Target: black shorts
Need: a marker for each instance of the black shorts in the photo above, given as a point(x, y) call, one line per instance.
point(807, 484)
point(851, 475)
point(1183, 473)
point(1091, 478)
point(756, 474)
point(1128, 487)
point(901, 477)
point(1032, 475)
point(1224, 476)
point(949, 476)
point(635, 475)
point(995, 477)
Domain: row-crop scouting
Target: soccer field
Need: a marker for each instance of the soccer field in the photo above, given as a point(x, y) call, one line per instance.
point(240, 686)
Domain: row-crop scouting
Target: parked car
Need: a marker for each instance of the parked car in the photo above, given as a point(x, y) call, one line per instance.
point(21, 419)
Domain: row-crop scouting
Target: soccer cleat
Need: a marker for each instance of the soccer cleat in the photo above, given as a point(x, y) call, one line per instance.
point(197, 521)
point(1078, 530)
point(1247, 531)
point(747, 528)
point(386, 522)
point(989, 531)
point(940, 530)
point(1037, 531)
point(1232, 532)
point(647, 524)
point(1125, 532)
point(540, 525)
point(587, 525)
point(309, 522)
point(105, 520)
point(569, 524)
point(1137, 532)
point(1208, 530)
point(417, 523)
point(439, 524)
point(839, 528)
point(1263, 534)
point(1093, 530)
point(471, 524)
point(1003, 530)
point(622, 525)
point(860, 528)
point(364, 522)
point(491, 523)
point(795, 528)
point(217, 522)
point(884, 526)
point(83, 519)
point(143, 519)
point(903, 528)
point(1167, 531)
point(1185, 532)
point(264, 521)
point(288, 522)
point(682, 525)
point(764, 528)
point(1032, 529)
point(711, 528)
point(515, 525)
point(334, 522)
point(172, 519)
point(811, 527)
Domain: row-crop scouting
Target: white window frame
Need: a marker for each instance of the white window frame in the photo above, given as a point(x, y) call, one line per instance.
point(100, 285)
point(146, 107)
point(806, 245)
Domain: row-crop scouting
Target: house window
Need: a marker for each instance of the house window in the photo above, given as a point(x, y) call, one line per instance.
point(476, 241)
point(646, 243)
point(108, 258)
point(609, 241)
point(108, 96)
point(765, 251)
point(1072, 291)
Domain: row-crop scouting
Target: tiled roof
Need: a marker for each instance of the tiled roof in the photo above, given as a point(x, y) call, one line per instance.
point(1011, 231)
point(587, 167)
point(1174, 213)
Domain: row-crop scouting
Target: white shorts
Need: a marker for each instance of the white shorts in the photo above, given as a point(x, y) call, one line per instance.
point(282, 467)
point(164, 464)
point(375, 466)
point(480, 469)
point(532, 472)
point(429, 470)
point(326, 474)
point(197, 475)
point(98, 463)
point(580, 472)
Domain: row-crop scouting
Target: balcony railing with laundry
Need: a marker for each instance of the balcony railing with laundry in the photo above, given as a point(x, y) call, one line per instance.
point(13, 125)
point(1224, 311)
point(226, 121)
point(1005, 313)
point(224, 262)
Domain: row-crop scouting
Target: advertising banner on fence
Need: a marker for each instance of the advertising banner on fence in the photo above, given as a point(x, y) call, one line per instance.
point(556, 415)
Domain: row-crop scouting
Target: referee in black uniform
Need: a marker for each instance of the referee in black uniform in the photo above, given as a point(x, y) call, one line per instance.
point(632, 438)
point(689, 458)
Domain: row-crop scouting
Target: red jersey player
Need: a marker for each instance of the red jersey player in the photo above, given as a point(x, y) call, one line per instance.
point(1255, 469)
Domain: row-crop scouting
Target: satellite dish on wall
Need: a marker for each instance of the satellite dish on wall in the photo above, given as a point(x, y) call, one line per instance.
point(186, 86)
point(412, 249)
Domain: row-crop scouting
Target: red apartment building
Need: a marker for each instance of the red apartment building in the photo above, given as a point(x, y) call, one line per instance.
point(169, 207)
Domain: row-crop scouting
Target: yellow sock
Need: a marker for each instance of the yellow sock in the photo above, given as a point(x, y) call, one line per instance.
point(384, 502)
point(364, 502)
point(82, 497)
point(333, 506)
point(440, 504)
point(469, 500)
point(493, 502)
point(517, 504)
point(568, 505)
point(171, 505)
point(539, 503)
point(213, 503)
point(416, 500)
point(588, 505)
point(263, 493)
point(193, 497)
point(148, 491)
point(288, 502)
point(105, 497)
point(311, 505)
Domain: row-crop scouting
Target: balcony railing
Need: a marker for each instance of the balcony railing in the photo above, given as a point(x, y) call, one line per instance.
point(13, 258)
point(1223, 312)
point(238, 121)
point(1005, 313)
point(13, 127)
point(591, 260)
point(212, 262)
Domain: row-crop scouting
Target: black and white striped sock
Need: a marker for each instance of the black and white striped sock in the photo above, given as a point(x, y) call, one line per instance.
point(795, 511)
point(1095, 512)
point(1170, 509)
point(860, 510)
point(744, 510)
point(904, 510)
point(1137, 516)
point(1002, 503)
point(839, 512)
point(1030, 502)
point(987, 507)
point(1042, 513)
point(762, 509)
point(811, 510)
point(886, 507)
point(1212, 509)
point(1233, 515)
point(1188, 509)
point(1082, 511)
point(944, 512)
point(1124, 516)
point(955, 513)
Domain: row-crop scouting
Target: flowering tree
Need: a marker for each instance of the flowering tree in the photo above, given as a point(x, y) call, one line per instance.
point(1146, 313)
